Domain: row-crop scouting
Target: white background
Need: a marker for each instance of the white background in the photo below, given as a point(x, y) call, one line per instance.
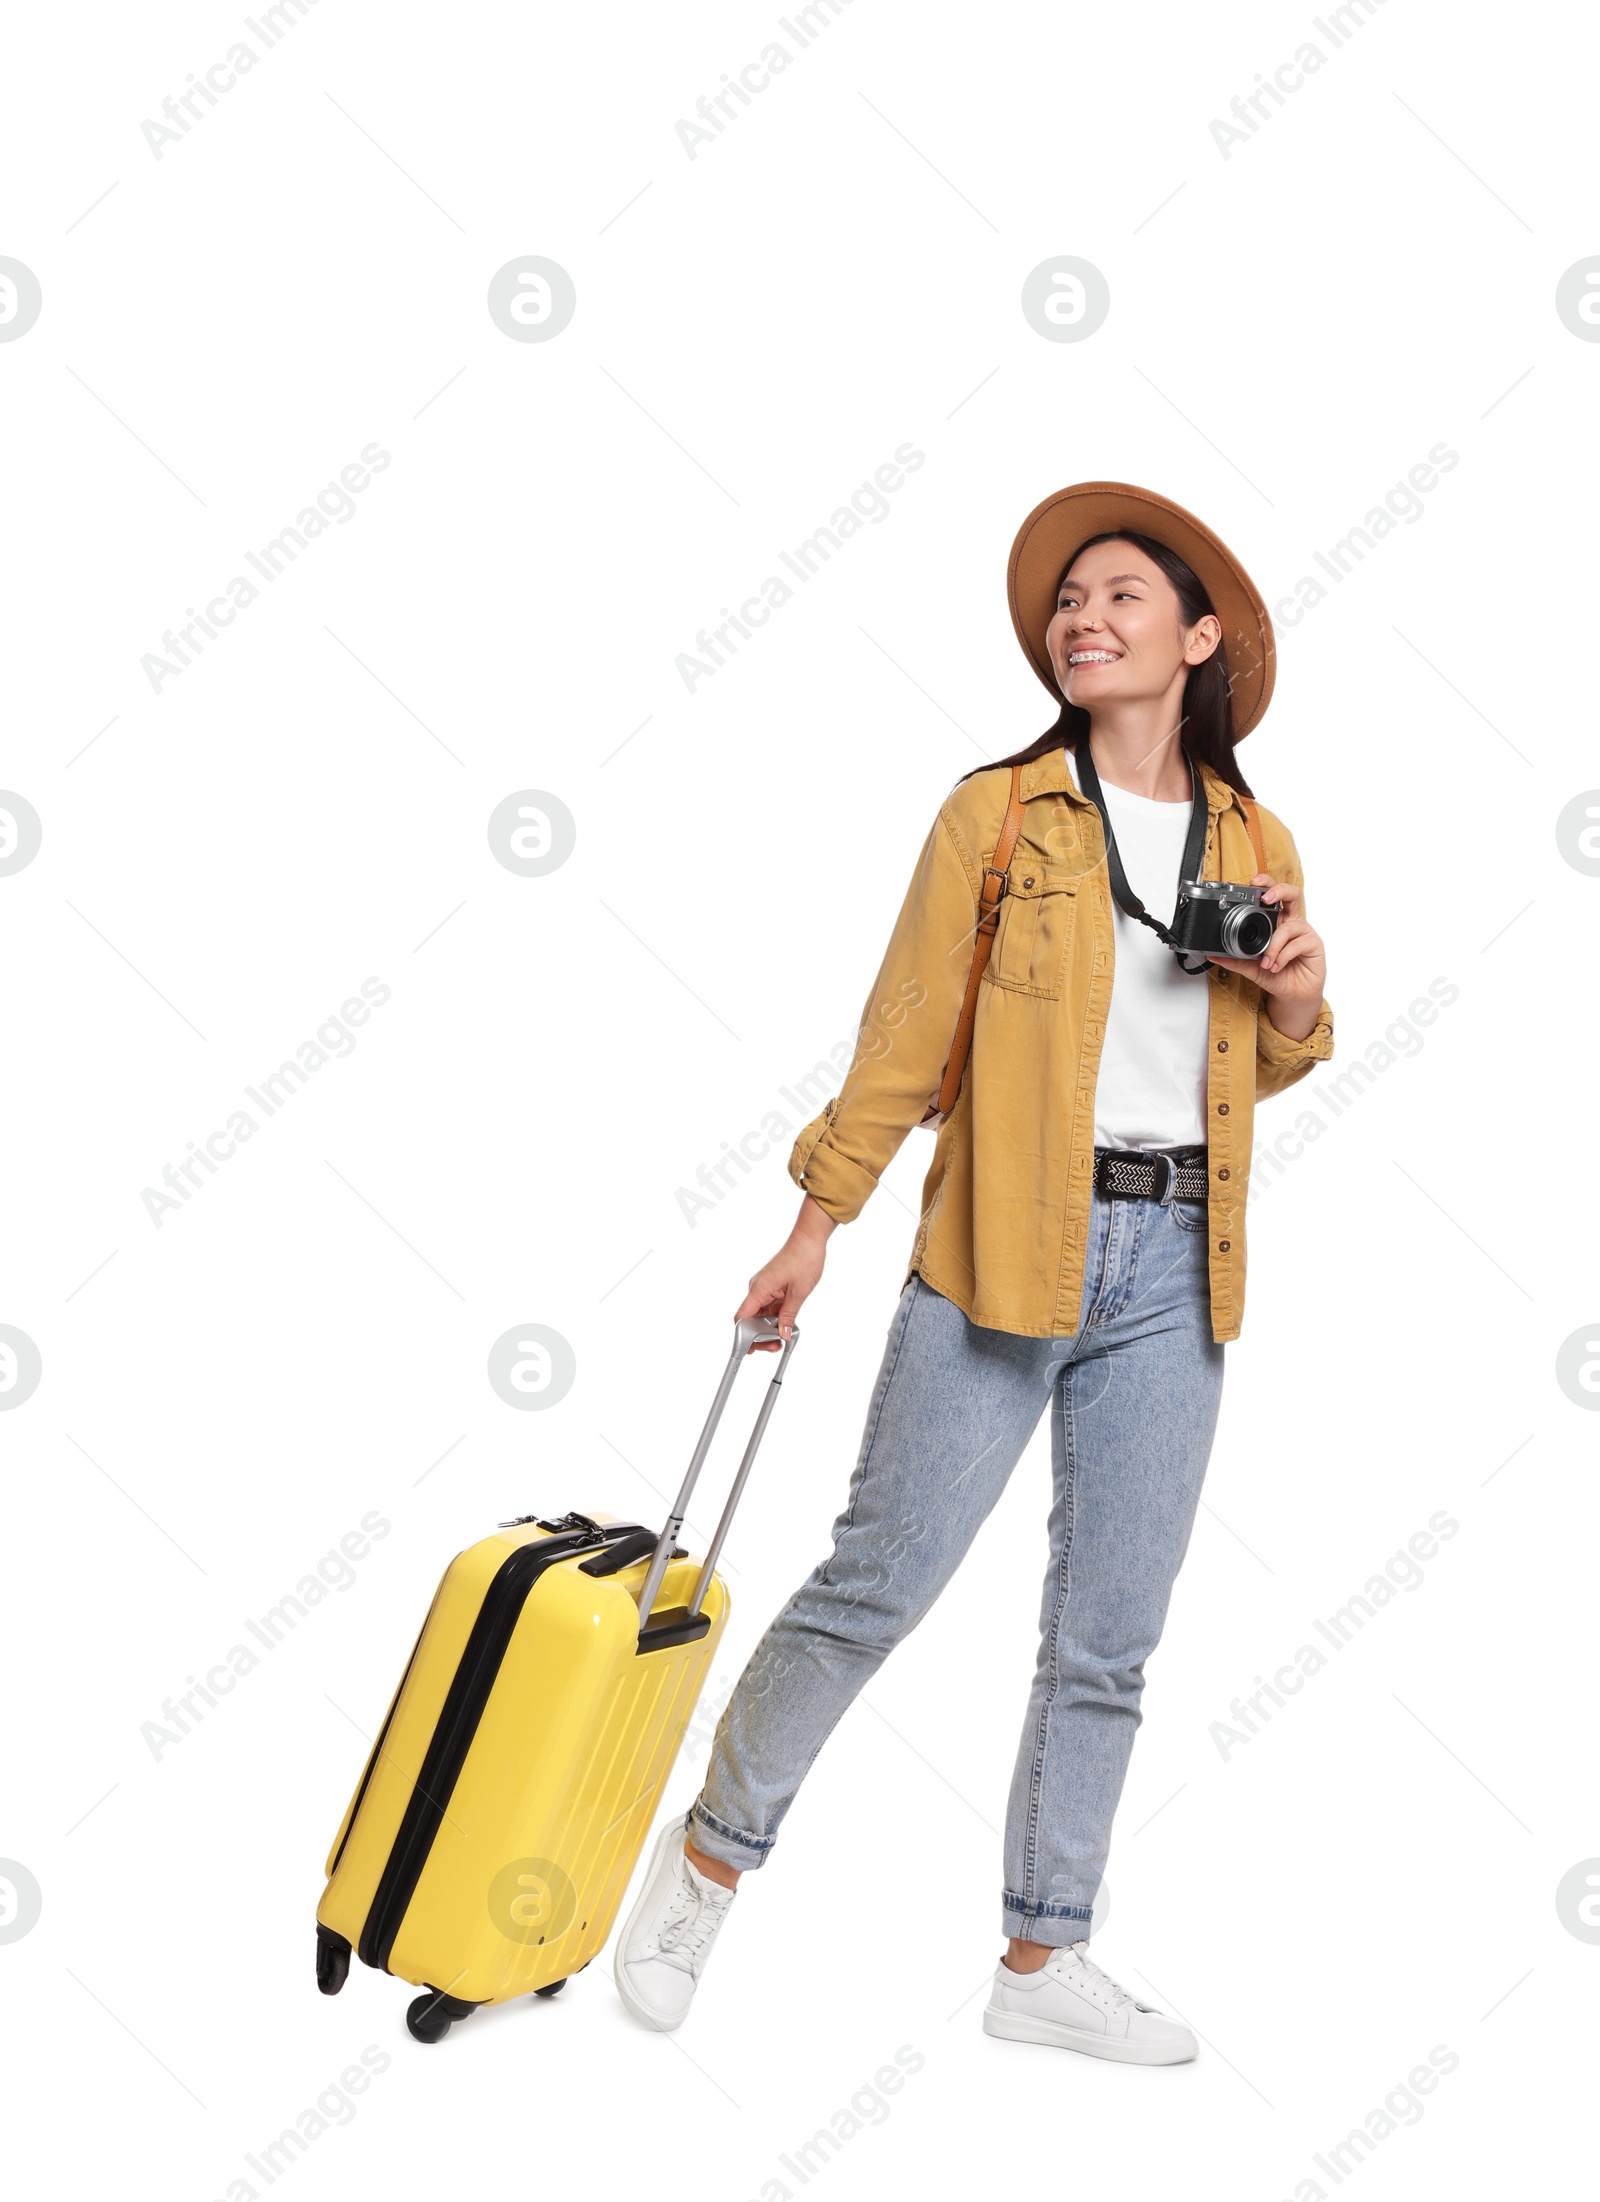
point(1371, 274)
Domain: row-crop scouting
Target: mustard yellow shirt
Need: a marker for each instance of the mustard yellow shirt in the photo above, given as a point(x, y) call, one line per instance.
point(1005, 1205)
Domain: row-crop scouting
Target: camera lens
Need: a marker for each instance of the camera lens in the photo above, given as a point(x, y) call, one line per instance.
point(1246, 929)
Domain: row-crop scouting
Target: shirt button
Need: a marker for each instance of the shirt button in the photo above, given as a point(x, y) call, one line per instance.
point(1222, 1108)
point(1224, 1173)
point(1222, 1047)
point(1224, 1245)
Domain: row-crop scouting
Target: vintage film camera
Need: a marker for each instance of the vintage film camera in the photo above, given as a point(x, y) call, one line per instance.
point(1216, 917)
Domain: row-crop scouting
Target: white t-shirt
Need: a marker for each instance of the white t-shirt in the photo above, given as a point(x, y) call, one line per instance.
point(1151, 1089)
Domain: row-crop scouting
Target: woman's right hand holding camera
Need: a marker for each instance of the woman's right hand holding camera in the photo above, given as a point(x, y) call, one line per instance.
point(781, 1287)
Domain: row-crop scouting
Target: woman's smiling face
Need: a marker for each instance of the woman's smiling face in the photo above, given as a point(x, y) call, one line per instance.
point(1117, 634)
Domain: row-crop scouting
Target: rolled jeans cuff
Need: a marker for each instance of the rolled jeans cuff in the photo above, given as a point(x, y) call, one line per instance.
point(730, 1845)
point(1056, 1924)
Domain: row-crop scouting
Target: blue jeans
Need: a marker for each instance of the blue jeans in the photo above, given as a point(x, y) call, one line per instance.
point(1134, 1399)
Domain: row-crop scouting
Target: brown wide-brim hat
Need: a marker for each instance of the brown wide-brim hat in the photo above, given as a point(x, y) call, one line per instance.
point(1053, 533)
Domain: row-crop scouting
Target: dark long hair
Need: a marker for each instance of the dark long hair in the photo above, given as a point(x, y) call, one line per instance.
point(1207, 726)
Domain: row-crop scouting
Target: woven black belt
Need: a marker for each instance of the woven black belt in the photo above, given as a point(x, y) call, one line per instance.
point(1126, 1173)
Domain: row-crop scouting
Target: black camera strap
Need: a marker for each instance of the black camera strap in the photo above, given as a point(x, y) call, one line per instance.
point(1193, 852)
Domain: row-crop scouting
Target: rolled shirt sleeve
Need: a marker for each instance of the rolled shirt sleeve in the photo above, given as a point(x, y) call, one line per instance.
point(1281, 1062)
point(907, 1024)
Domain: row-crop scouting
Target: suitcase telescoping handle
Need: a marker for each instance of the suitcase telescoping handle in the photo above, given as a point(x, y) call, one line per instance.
point(747, 1332)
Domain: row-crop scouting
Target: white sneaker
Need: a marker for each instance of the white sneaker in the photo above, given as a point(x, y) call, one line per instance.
point(662, 1951)
point(1070, 2003)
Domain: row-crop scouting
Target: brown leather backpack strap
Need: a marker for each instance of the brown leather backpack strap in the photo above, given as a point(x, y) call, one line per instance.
point(1253, 820)
point(989, 898)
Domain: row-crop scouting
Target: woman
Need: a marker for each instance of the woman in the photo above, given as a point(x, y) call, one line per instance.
point(1060, 1261)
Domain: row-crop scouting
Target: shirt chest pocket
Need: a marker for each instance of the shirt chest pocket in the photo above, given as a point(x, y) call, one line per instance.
point(1035, 930)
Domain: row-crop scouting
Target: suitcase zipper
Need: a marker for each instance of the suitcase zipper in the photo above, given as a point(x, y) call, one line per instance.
point(458, 1724)
point(377, 1748)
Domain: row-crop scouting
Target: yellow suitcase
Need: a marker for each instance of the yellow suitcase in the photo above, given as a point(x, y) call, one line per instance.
point(502, 1810)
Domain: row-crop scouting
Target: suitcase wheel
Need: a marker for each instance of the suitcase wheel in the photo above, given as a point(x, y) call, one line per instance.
point(431, 2017)
point(333, 1960)
point(552, 1987)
